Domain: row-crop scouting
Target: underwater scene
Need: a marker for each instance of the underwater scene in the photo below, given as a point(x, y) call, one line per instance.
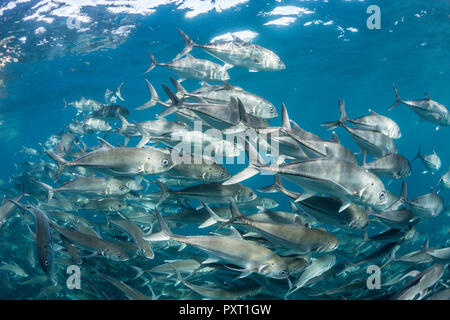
point(224, 149)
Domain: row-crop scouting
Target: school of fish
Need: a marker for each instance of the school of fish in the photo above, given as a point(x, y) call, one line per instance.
point(160, 216)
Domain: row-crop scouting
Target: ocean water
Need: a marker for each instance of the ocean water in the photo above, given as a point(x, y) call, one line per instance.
point(57, 51)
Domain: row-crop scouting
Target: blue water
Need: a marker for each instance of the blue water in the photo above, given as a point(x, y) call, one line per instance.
point(324, 63)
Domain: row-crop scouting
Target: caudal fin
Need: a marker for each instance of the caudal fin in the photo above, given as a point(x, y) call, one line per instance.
point(404, 193)
point(188, 47)
point(154, 98)
point(397, 101)
point(49, 189)
point(418, 155)
point(255, 162)
point(342, 120)
point(176, 103)
point(162, 223)
point(165, 192)
point(154, 63)
point(62, 164)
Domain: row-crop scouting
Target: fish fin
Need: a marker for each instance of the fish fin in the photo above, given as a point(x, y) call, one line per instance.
point(306, 195)
point(426, 245)
point(335, 138)
point(156, 237)
point(164, 227)
point(344, 206)
point(273, 187)
point(48, 188)
point(252, 70)
point(33, 235)
point(189, 45)
point(117, 92)
point(60, 161)
point(182, 247)
point(397, 101)
point(227, 66)
point(255, 159)
point(285, 121)
point(211, 260)
point(418, 155)
point(154, 62)
point(208, 222)
point(145, 135)
point(105, 143)
point(427, 96)
point(139, 272)
point(165, 192)
point(234, 233)
point(154, 98)
point(341, 122)
point(364, 161)
point(178, 86)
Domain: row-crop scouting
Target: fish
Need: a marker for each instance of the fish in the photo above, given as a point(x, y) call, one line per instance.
point(326, 209)
point(431, 162)
point(120, 161)
point(426, 109)
point(373, 142)
point(393, 166)
point(43, 239)
point(329, 175)
point(193, 68)
point(292, 236)
point(315, 269)
point(14, 268)
point(7, 208)
point(107, 249)
point(89, 185)
point(210, 193)
point(130, 292)
point(238, 53)
point(250, 256)
point(137, 234)
point(253, 104)
point(420, 283)
point(444, 181)
point(220, 293)
point(425, 206)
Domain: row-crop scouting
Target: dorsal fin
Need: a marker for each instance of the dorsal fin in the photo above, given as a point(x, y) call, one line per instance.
point(235, 233)
point(335, 138)
point(427, 96)
point(105, 143)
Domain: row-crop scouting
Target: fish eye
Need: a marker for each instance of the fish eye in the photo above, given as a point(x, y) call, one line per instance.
point(46, 262)
point(382, 195)
point(165, 162)
point(283, 273)
point(271, 109)
point(250, 194)
point(222, 173)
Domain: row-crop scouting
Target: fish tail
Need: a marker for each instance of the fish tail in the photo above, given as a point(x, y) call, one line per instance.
point(236, 215)
point(418, 155)
point(180, 89)
point(342, 120)
point(404, 193)
point(175, 105)
point(164, 227)
point(48, 188)
point(165, 192)
point(255, 163)
point(62, 164)
point(154, 98)
point(213, 219)
point(397, 101)
point(125, 124)
point(154, 62)
point(117, 92)
point(145, 135)
point(189, 45)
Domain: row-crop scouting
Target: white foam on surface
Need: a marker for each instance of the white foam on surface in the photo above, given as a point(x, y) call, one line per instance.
point(285, 21)
point(289, 10)
point(245, 35)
